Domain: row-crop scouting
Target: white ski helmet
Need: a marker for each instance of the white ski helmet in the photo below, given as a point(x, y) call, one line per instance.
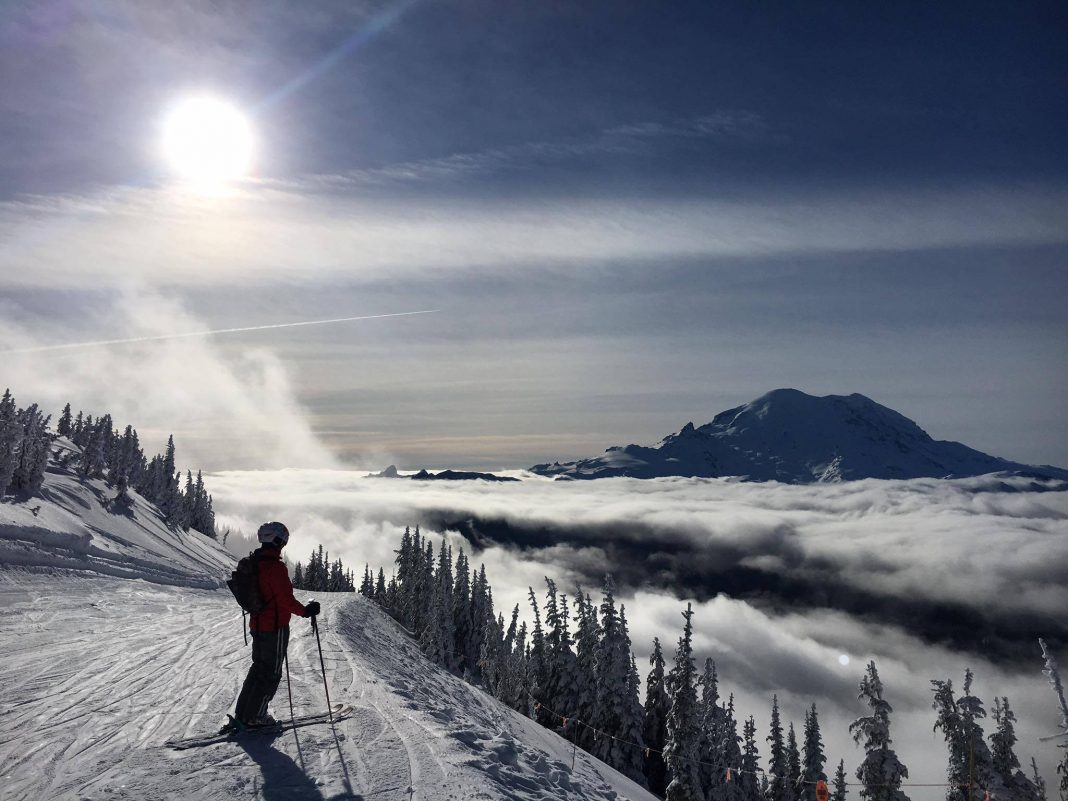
point(273, 534)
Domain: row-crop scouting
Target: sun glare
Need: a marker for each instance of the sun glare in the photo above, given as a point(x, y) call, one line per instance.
point(207, 142)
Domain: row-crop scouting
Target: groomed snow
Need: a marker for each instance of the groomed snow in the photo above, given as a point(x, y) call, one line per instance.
point(98, 673)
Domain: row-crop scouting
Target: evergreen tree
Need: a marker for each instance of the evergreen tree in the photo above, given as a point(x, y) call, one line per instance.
point(732, 754)
point(814, 758)
point(436, 638)
point(654, 723)
point(32, 452)
point(10, 440)
point(482, 616)
point(298, 577)
point(536, 661)
point(840, 790)
point(970, 761)
point(793, 764)
point(778, 783)
point(617, 711)
point(1054, 676)
point(64, 427)
point(750, 781)
point(1038, 781)
point(93, 455)
point(170, 499)
point(680, 748)
point(461, 613)
point(561, 685)
point(710, 745)
point(587, 642)
point(881, 773)
point(633, 764)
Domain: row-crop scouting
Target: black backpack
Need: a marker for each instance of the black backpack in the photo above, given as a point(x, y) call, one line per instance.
point(244, 583)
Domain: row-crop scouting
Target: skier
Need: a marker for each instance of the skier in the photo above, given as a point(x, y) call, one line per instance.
point(270, 628)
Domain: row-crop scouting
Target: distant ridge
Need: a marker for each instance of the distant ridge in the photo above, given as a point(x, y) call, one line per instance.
point(789, 436)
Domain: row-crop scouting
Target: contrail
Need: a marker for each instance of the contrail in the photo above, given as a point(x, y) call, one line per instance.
point(216, 332)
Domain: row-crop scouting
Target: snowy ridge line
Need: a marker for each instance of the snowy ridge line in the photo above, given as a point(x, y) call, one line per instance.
point(538, 705)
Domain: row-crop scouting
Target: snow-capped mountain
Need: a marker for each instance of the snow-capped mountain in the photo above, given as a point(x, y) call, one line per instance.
point(789, 436)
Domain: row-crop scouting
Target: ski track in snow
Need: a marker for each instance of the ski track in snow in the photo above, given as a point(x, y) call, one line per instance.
point(98, 673)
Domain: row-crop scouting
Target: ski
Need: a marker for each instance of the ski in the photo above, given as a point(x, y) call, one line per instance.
point(338, 712)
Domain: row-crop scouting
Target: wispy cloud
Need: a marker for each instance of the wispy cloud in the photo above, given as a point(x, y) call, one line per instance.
point(222, 409)
point(628, 139)
point(273, 236)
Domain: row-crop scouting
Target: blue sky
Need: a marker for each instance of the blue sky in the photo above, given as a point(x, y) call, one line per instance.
point(631, 215)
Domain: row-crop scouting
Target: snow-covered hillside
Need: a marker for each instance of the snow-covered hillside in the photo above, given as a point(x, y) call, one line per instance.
point(75, 524)
point(98, 673)
point(795, 438)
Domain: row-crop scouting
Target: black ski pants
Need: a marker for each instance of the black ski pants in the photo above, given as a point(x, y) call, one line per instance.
point(261, 683)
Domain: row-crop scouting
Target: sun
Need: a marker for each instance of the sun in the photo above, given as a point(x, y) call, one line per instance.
point(207, 142)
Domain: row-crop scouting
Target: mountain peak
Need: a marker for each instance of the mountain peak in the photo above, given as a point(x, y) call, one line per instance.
point(790, 436)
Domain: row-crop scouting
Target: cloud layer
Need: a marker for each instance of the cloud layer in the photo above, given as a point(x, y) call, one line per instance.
point(979, 564)
point(964, 558)
point(303, 235)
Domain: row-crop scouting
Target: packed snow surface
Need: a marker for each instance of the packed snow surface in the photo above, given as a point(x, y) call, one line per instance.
point(98, 673)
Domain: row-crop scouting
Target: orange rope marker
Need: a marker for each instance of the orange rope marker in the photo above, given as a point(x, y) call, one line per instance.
point(728, 775)
point(823, 793)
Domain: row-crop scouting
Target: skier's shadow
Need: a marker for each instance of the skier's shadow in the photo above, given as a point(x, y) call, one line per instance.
point(283, 779)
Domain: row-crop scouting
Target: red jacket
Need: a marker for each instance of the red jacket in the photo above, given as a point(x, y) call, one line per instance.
point(277, 591)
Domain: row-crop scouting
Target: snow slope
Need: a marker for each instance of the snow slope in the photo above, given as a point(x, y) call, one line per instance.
point(795, 438)
point(75, 524)
point(98, 672)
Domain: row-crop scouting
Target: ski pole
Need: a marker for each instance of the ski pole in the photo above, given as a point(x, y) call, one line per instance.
point(289, 686)
point(322, 664)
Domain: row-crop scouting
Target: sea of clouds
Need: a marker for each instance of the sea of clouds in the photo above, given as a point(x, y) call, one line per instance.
point(925, 577)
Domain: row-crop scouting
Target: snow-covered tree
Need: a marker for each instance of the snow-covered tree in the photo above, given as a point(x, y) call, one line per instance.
point(654, 723)
point(461, 613)
point(536, 659)
point(618, 710)
point(381, 594)
point(793, 764)
point(881, 772)
point(561, 679)
point(587, 641)
point(750, 780)
point(1054, 676)
point(778, 771)
point(813, 759)
point(64, 427)
point(840, 784)
point(710, 738)
point(970, 765)
point(1003, 755)
point(10, 439)
point(32, 452)
point(482, 616)
point(680, 748)
point(731, 755)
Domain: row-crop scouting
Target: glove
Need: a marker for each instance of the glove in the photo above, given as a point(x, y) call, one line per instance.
point(311, 609)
